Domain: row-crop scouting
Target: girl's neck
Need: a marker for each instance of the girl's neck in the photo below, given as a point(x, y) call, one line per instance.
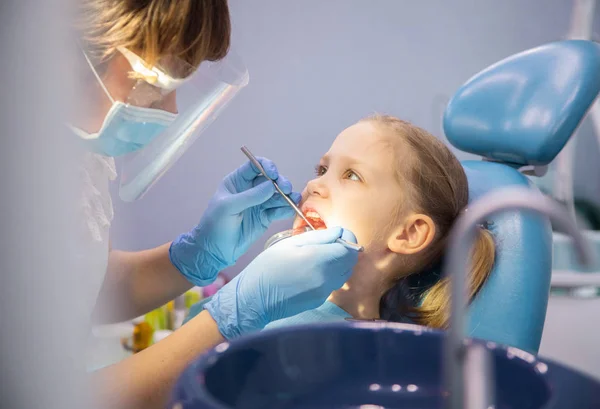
point(359, 297)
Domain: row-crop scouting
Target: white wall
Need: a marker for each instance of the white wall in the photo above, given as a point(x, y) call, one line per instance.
point(571, 334)
point(316, 67)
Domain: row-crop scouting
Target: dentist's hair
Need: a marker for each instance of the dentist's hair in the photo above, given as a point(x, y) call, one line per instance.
point(436, 186)
point(193, 30)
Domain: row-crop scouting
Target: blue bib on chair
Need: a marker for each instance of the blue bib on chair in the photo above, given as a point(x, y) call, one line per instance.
point(328, 312)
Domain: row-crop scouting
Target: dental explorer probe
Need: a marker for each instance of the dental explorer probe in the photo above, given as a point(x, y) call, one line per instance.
point(466, 388)
point(256, 163)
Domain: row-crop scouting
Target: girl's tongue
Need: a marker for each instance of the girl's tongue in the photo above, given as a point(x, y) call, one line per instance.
point(315, 220)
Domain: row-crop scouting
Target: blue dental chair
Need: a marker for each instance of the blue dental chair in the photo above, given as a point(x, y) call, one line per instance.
point(518, 114)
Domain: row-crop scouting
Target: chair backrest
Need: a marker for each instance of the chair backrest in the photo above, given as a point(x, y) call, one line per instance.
point(520, 112)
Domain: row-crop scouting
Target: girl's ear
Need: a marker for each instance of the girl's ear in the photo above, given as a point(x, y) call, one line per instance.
point(413, 235)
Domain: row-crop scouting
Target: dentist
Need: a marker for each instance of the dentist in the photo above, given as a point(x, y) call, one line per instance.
point(137, 55)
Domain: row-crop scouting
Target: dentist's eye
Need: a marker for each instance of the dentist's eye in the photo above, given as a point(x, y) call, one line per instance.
point(320, 170)
point(350, 174)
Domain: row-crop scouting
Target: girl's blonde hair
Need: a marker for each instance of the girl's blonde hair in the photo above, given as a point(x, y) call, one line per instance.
point(192, 30)
point(436, 186)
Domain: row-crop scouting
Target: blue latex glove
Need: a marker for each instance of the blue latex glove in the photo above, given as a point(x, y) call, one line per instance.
point(294, 275)
point(240, 211)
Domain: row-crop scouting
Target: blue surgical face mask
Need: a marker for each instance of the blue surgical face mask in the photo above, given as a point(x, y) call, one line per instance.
point(126, 129)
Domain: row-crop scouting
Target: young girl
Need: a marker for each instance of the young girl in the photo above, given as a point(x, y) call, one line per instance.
point(399, 190)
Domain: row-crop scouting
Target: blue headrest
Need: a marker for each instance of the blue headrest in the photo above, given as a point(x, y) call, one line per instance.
point(511, 307)
point(523, 109)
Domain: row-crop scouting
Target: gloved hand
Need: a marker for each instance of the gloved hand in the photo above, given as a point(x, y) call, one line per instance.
point(292, 276)
point(241, 210)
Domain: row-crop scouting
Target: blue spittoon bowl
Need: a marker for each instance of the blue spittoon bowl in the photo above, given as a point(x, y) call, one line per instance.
point(364, 366)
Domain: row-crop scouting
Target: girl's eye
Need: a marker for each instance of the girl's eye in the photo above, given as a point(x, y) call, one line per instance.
point(320, 170)
point(353, 176)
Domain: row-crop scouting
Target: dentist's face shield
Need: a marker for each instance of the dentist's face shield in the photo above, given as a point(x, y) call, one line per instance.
point(168, 107)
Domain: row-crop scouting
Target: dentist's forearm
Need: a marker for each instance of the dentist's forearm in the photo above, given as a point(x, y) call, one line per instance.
point(138, 282)
point(146, 380)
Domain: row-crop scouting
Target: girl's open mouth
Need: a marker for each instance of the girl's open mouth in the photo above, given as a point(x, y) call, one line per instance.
point(314, 219)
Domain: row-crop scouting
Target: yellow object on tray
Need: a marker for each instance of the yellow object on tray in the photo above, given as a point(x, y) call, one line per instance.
point(157, 318)
point(164, 317)
point(142, 336)
point(192, 297)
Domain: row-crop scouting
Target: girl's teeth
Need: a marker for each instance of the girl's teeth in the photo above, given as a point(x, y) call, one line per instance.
point(313, 215)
